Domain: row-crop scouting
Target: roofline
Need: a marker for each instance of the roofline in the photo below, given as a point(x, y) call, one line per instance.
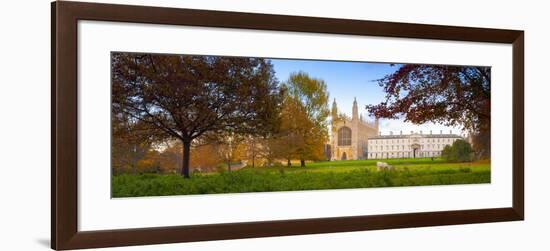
point(421, 135)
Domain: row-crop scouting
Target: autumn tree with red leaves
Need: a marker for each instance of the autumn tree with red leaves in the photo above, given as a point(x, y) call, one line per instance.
point(189, 98)
point(449, 95)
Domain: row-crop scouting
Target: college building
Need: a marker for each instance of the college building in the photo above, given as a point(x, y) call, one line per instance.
point(355, 138)
point(413, 145)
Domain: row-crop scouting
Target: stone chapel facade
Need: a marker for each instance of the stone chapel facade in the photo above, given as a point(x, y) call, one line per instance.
point(349, 137)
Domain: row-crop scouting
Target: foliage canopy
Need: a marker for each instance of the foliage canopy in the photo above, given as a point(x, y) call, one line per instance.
point(460, 151)
point(187, 97)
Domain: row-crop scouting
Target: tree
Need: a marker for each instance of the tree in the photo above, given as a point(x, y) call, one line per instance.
point(450, 95)
point(150, 163)
point(230, 148)
point(293, 129)
point(460, 151)
point(188, 97)
point(170, 157)
point(127, 146)
point(256, 149)
point(204, 158)
point(308, 97)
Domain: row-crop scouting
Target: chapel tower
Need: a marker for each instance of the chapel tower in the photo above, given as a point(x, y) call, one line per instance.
point(334, 112)
point(355, 112)
point(349, 136)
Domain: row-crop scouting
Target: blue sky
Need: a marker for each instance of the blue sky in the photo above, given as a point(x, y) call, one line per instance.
point(348, 80)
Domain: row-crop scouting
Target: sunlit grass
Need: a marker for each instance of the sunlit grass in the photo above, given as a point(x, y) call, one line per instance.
point(319, 175)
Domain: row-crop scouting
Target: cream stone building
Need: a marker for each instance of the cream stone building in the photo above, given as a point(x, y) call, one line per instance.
point(349, 137)
point(413, 145)
point(355, 138)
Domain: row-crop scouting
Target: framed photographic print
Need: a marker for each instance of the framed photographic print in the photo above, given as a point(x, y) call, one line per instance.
point(177, 125)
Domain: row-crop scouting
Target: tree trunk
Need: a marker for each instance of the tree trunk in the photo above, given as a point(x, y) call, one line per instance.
point(185, 163)
point(229, 166)
point(288, 162)
point(302, 163)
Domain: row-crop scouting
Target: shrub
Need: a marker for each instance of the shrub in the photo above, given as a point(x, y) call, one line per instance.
point(465, 169)
point(460, 151)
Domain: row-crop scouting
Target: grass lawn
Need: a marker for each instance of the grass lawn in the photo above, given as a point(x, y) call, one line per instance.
point(317, 175)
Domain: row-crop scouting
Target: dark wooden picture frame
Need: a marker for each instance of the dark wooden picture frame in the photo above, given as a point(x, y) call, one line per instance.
point(64, 193)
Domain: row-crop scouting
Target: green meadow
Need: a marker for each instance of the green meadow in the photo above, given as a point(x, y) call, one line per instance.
point(315, 176)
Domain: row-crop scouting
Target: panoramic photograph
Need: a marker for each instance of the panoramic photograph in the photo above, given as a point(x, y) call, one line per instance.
point(201, 124)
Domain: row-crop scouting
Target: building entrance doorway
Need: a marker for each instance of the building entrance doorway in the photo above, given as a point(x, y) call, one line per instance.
point(416, 148)
point(344, 156)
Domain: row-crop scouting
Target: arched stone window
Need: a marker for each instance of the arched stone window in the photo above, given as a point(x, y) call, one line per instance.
point(344, 136)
